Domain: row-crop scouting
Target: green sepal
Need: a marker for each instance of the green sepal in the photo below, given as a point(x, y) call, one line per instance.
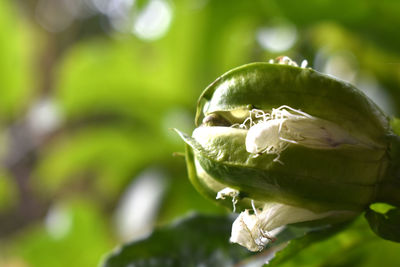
point(389, 188)
point(317, 179)
point(265, 86)
point(386, 225)
point(204, 183)
point(275, 185)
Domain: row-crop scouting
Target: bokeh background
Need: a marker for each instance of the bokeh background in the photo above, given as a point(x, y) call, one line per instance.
point(90, 89)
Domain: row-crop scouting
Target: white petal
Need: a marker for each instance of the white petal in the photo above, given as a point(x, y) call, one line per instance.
point(242, 231)
point(254, 231)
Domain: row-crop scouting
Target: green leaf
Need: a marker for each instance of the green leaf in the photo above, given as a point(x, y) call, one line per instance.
point(201, 239)
point(110, 155)
point(356, 21)
point(395, 123)
point(16, 75)
point(385, 225)
point(355, 246)
point(195, 240)
point(302, 241)
point(73, 226)
point(102, 65)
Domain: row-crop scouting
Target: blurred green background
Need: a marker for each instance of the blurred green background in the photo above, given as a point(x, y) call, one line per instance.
point(89, 90)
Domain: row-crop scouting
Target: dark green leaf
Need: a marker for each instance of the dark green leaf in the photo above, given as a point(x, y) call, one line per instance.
point(355, 246)
point(302, 241)
point(385, 225)
point(201, 239)
point(193, 241)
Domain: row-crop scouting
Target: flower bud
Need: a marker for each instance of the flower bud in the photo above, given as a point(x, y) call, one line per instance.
point(287, 144)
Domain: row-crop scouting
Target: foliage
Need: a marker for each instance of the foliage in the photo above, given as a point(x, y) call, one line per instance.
point(207, 247)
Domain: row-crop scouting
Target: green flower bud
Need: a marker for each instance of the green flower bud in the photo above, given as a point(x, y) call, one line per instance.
point(287, 144)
